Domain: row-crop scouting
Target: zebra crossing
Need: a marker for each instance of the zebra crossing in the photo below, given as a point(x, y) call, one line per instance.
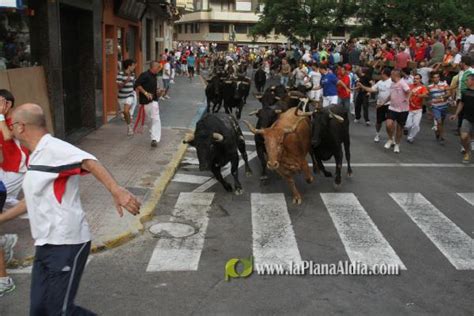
point(274, 240)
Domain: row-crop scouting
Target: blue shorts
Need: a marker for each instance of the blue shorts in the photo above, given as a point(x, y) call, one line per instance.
point(439, 112)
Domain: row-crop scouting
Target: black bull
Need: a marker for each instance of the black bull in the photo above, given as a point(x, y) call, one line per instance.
point(218, 139)
point(330, 132)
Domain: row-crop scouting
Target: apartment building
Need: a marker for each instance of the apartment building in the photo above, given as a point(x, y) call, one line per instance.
point(223, 22)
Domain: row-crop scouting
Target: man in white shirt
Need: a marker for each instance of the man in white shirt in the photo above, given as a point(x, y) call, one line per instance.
point(57, 221)
point(469, 41)
point(166, 77)
point(383, 99)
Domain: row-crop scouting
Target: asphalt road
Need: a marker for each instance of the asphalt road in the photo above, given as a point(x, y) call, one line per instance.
point(407, 210)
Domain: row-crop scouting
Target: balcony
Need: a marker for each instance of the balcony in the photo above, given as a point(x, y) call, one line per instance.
point(214, 16)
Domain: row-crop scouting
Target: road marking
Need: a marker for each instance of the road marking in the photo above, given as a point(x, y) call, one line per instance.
point(405, 165)
point(250, 142)
point(189, 178)
point(190, 161)
point(183, 254)
point(203, 187)
point(455, 244)
point(362, 239)
point(245, 133)
point(469, 197)
point(274, 240)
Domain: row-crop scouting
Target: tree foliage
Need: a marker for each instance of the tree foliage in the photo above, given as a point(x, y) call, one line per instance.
point(313, 19)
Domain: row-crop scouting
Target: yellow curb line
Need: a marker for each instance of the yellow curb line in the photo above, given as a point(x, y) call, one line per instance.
point(146, 212)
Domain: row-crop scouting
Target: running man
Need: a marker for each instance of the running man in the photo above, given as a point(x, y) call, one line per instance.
point(126, 94)
point(439, 95)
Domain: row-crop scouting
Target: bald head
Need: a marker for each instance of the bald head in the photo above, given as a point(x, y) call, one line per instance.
point(30, 114)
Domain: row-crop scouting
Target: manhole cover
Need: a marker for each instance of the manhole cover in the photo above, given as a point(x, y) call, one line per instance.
point(175, 230)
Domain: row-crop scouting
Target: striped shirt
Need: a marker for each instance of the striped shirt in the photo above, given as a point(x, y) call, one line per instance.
point(127, 89)
point(438, 93)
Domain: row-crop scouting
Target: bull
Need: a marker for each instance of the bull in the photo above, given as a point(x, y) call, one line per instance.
point(287, 143)
point(214, 94)
point(218, 139)
point(330, 130)
point(234, 93)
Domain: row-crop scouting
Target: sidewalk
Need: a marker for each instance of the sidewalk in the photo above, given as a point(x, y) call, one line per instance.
point(143, 170)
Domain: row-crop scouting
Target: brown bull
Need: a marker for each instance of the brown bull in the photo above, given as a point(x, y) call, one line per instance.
point(288, 142)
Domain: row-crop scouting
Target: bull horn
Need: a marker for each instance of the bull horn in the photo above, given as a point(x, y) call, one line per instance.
point(253, 113)
point(278, 111)
point(339, 118)
point(245, 83)
point(301, 113)
point(252, 129)
point(294, 97)
point(218, 137)
point(188, 138)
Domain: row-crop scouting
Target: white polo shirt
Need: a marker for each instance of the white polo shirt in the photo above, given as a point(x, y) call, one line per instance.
point(51, 188)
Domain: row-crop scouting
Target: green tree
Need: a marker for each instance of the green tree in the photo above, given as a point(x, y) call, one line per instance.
point(302, 20)
point(400, 17)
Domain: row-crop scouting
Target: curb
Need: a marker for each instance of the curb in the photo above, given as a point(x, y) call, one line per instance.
point(146, 212)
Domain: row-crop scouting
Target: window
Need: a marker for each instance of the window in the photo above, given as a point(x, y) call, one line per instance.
point(179, 28)
point(241, 28)
point(197, 28)
point(185, 28)
point(15, 50)
point(218, 28)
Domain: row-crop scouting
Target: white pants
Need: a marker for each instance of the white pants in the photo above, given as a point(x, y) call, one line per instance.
point(12, 182)
point(413, 123)
point(152, 113)
point(315, 95)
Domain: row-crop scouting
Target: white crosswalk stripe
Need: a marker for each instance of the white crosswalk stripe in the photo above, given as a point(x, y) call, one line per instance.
point(469, 197)
point(274, 240)
point(183, 254)
point(362, 239)
point(190, 178)
point(455, 244)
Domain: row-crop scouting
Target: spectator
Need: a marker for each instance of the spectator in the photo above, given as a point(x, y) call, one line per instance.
point(418, 93)
point(167, 77)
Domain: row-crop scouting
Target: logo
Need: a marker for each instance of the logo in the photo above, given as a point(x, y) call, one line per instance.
point(231, 265)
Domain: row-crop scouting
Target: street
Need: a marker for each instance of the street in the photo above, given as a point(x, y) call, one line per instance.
point(414, 209)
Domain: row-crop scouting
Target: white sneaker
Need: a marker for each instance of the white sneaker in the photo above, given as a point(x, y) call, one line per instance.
point(388, 144)
point(396, 149)
point(167, 97)
point(367, 123)
point(377, 138)
point(356, 121)
point(7, 242)
point(6, 285)
point(130, 130)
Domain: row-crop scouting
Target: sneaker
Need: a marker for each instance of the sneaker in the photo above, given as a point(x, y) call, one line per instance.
point(367, 123)
point(463, 151)
point(154, 143)
point(130, 130)
point(376, 138)
point(7, 242)
point(410, 140)
point(167, 97)
point(6, 285)
point(466, 158)
point(356, 121)
point(162, 98)
point(388, 144)
point(396, 149)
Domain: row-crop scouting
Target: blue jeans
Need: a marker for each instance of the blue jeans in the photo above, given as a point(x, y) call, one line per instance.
point(284, 81)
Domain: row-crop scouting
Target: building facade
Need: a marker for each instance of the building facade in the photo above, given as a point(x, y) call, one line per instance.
point(223, 22)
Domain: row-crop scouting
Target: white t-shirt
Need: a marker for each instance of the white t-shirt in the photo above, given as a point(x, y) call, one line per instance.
point(425, 74)
point(467, 43)
point(383, 89)
point(51, 188)
point(457, 59)
point(167, 71)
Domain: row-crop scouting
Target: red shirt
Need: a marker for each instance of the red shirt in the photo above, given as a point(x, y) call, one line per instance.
point(412, 42)
point(341, 91)
point(416, 103)
point(11, 153)
point(401, 60)
point(420, 53)
point(389, 56)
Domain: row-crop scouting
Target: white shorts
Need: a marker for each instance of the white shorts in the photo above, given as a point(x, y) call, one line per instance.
point(330, 100)
point(130, 101)
point(12, 182)
point(315, 95)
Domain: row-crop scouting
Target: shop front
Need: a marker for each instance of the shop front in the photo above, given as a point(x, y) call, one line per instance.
point(121, 37)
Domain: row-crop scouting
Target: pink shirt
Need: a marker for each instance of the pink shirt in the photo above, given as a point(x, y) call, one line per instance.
point(401, 60)
point(399, 96)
